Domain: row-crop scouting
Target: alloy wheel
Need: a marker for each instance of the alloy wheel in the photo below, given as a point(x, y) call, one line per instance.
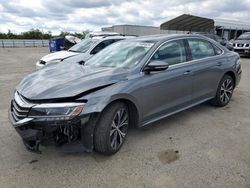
point(226, 91)
point(118, 129)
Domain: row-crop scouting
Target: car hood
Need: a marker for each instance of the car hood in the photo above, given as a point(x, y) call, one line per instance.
point(67, 80)
point(58, 55)
point(242, 41)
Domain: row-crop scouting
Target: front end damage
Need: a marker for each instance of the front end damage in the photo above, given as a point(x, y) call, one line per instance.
point(70, 135)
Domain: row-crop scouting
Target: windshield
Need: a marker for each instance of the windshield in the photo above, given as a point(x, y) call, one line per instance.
point(83, 46)
point(244, 37)
point(125, 54)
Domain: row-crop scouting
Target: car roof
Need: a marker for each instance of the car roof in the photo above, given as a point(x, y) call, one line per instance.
point(102, 33)
point(163, 37)
point(112, 37)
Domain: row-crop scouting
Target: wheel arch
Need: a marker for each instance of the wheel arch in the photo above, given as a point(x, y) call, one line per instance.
point(134, 111)
point(232, 74)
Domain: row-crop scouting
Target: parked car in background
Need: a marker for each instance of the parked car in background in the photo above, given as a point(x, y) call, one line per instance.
point(221, 40)
point(241, 44)
point(70, 41)
point(87, 47)
point(130, 83)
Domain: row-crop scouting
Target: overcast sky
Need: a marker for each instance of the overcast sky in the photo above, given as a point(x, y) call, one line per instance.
point(80, 15)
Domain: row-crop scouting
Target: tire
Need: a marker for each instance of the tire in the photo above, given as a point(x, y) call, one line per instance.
point(111, 131)
point(224, 92)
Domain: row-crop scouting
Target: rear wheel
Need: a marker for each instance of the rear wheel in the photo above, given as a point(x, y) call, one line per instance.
point(111, 129)
point(224, 92)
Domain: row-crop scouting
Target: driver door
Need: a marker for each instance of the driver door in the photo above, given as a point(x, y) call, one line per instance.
point(167, 91)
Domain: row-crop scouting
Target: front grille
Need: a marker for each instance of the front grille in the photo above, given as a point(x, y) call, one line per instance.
point(19, 108)
point(240, 45)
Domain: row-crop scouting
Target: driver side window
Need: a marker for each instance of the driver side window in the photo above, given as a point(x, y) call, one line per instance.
point(172, 52)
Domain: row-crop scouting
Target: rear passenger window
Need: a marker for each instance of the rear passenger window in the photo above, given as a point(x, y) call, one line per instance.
point(201, 48)
point(172, 52)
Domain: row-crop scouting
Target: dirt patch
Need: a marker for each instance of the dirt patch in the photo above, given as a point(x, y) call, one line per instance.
point(168, 156)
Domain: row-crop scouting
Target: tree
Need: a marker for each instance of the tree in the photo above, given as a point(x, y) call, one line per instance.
point(39, 34)
point(35, 34)
point(10, 35)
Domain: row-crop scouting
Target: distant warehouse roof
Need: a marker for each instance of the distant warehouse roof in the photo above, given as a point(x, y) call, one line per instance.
point(232, 24)
point(187, 22)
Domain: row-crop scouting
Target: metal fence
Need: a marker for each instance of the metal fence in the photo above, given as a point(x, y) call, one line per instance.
point(13, 43)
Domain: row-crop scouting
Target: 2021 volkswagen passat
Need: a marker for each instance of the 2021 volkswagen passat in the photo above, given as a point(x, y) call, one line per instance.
point(131, 82)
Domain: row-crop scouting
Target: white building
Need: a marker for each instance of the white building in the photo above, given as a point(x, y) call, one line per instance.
point(135, 30)
point(230, 28)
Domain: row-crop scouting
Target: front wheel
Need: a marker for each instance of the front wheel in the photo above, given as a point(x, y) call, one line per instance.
point(111, 129)
point(224, 92)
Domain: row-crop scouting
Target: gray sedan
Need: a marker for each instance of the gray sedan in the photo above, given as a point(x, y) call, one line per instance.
point(130, 83)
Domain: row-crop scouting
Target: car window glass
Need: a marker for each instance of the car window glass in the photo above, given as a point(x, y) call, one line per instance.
point(103, 44)
point(108, 42)
point(245, 36)
point(124, 54)
point(99, 47)
point(217, 50)
point(200, 48)
point(172, 53)
point(83, 46)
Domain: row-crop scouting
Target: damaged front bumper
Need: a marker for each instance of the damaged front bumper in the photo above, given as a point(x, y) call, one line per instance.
point(74, 135)
point(31, 137)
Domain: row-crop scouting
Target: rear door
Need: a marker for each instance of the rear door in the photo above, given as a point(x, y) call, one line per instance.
point(207, 61)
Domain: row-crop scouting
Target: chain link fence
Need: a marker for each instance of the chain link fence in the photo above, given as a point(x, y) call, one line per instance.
point(13, 43)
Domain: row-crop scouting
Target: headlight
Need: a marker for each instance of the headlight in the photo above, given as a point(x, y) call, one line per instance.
point(60, 110)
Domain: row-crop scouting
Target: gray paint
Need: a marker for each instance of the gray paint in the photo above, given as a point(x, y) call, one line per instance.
point(155, 95)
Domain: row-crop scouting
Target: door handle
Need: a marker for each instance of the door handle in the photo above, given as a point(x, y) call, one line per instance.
point(218, 64)
point(187, 72)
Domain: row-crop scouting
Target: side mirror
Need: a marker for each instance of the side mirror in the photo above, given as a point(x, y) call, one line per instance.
point(155, 66)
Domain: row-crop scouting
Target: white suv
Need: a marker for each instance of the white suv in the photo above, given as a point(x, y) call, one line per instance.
point(87, 47)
